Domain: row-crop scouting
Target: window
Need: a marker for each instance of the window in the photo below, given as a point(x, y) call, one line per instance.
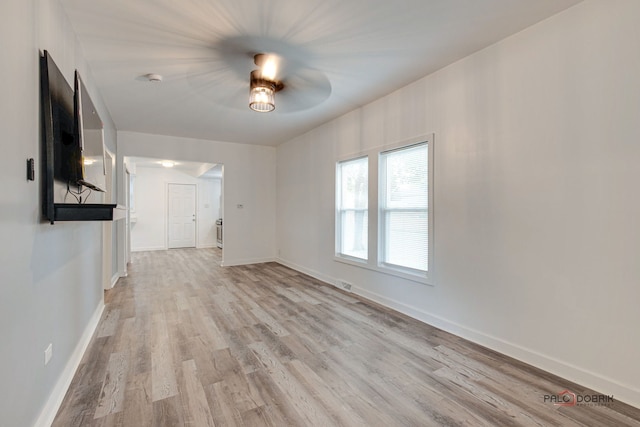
point(404, 216)
point(352, 213)
point(384, 209)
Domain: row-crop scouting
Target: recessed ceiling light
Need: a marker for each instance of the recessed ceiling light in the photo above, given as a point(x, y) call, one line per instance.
point(167, 164)
point(88, 161)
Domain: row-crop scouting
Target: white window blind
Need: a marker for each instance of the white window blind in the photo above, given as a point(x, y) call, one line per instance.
point(404, 214)
point(352, 215)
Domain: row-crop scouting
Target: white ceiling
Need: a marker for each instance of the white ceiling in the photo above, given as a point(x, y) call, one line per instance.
point(341, 54)
point(195, 169)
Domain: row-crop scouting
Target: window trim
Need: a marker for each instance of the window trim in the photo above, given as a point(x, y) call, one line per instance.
point(382, 226)
point(338, 211)
point(372, 262)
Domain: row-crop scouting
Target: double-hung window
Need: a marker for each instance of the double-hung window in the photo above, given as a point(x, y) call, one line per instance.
point(384, 209)
point(352, 213)
point(404, 209)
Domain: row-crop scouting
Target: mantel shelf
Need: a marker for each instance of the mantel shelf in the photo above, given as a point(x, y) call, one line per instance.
point(83, 212)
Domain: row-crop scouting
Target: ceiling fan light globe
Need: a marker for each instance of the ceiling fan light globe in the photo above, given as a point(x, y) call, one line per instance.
point(262, 99)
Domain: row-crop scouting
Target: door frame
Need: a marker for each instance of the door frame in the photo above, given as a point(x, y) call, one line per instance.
point(127, 192)
point(108, 227)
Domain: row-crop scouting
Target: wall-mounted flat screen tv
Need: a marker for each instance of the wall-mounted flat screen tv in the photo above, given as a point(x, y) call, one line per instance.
point(90, 136)
point(65, 125)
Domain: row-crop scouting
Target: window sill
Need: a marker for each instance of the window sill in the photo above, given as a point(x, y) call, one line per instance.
point(424, 280)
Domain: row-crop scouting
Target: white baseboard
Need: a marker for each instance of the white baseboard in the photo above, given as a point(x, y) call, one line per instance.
point(163, 248)
point(54, 401)
point(313, 273)
point(114, 279)
point(150, 248)
point(626, 393)
point(231, 263)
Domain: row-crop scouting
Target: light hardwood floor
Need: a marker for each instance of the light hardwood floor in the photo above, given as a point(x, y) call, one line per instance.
point(183, 342)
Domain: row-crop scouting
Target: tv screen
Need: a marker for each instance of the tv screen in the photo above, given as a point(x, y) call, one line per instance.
point(60, 124)
point(73, 127)
point(90, 137)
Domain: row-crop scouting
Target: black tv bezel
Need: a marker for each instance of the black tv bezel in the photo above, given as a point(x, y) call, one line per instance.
point(60, 123)
point(50, 75)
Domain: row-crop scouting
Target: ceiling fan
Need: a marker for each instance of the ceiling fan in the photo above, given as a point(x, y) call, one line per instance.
point(273, 66)
point(264, 83)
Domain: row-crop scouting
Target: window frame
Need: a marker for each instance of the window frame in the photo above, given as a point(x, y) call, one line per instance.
point(374, 239)
point(383, 231)
point(338, 211)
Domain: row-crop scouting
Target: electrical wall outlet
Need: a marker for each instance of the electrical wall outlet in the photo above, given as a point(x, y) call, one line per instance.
point(344, 285)
point(48, 353)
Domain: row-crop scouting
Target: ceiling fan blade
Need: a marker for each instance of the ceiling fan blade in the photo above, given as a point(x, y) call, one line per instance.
point(218, 84)
point(303, 90)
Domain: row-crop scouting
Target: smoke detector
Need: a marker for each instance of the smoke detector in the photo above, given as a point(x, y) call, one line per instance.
point(154, 78)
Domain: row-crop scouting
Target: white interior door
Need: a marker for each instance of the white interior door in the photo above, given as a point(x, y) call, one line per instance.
point(182, 216)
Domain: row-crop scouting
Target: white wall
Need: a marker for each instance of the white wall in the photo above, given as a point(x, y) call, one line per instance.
point(249, 181)
point(50, 275)
point(537, 239)
point(209, 210)
point(149, 232)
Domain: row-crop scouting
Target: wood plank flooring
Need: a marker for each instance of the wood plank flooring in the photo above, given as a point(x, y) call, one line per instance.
point(183, 342)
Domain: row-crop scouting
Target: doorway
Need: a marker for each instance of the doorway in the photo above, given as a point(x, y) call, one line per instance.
point(150, 226)
point(181, 216)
